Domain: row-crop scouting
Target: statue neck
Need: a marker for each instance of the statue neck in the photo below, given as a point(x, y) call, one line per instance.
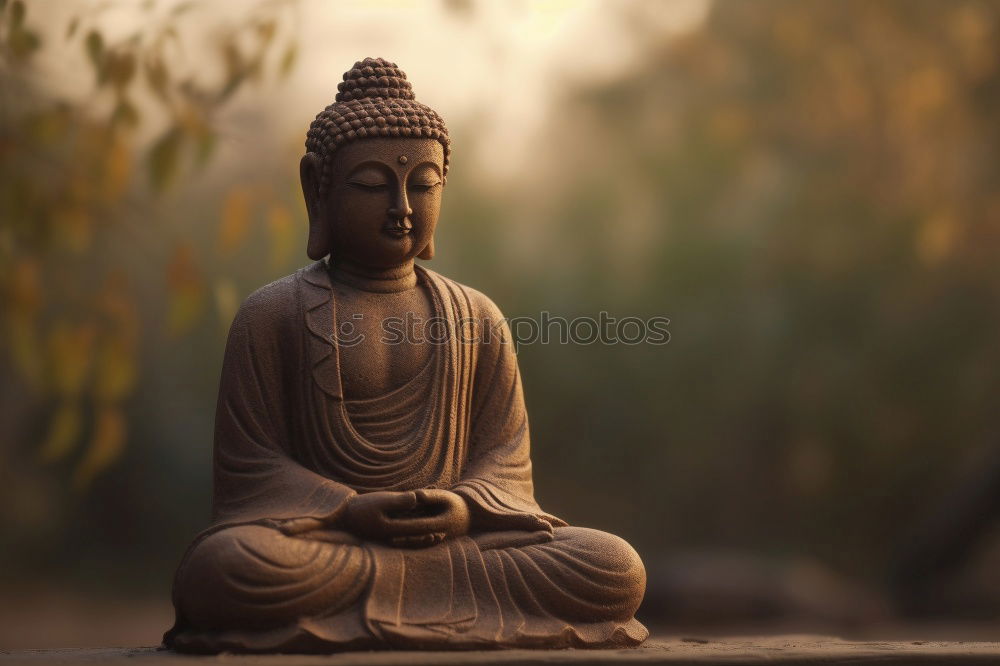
point(376, 280)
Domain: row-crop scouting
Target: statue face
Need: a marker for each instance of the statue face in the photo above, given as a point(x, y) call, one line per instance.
point(383, 200)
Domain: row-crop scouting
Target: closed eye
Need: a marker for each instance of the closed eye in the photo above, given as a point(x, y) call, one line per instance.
point(368, 186)
point(423, 187)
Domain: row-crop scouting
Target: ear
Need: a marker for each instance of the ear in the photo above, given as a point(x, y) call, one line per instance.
point(320, 235)
point(428, 251)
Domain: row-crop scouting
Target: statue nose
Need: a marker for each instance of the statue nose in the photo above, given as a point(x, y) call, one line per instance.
point(400, 212)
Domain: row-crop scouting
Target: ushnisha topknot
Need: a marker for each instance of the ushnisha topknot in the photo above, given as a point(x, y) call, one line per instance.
point(374, 99)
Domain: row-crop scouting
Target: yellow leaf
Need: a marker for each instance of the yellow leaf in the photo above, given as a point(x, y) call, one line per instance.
point(94, 45)
point(186, 306)
point(235, 220)
point(25, 288)
point(17, 13)
point(118, 306)
point(69, 356)
point(121, 68)
point(115, 371)
point(64, 432)
point(281, 229)
point(157, 76)
point(226, 301)
point(182, 268)
point(117, 169)
point(105, 446)
point(186, 291)
point(164, 157)
point(25, 351)
point(288, 60)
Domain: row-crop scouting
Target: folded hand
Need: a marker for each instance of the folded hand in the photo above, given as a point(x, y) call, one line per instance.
point(410, 518)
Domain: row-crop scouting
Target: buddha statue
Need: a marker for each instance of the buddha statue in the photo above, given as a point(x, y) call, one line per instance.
point(372, 490)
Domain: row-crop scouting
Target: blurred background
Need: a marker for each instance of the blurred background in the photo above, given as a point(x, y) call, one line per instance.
point(806, 188)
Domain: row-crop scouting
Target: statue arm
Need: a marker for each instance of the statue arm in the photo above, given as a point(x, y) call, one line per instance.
point(497, 481)
point(255, 478)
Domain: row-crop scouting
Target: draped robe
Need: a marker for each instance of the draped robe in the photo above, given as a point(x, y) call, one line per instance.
point(288, 445)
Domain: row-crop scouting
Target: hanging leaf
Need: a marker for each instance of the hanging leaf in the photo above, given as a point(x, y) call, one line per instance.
point(26, 352)
point(186, 291)
point(117, 169)
point(121, 69)
point(105, 447)
point(205, 146)
point(157, 76)
point(94, 46)
point(119, 307)
point(164, 158)
point(186, 306)
point(288, 60)
point(235, 220)
point(69, 355)
point(227, 301)
point(17, 13)
point(24, 293)
point(266, 30)
point(115, 371)
point(64, 432)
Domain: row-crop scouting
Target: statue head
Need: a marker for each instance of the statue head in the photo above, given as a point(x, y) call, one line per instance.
point(373, 172)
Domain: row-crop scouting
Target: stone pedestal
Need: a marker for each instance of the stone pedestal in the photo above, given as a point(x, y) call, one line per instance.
point(672, 651)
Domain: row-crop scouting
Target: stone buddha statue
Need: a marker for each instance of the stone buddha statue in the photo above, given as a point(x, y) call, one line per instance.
point(374, 490)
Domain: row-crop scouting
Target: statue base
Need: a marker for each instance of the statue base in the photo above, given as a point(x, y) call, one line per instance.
point(658, 650)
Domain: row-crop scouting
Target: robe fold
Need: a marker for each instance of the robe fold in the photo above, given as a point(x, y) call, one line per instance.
point(288, 445)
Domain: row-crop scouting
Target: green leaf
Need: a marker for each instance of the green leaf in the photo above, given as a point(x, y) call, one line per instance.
point(17, 13)
point(64, 432)
point(185, 289)
point(94, 45)
point(232, 84)
point(106, 445)
point(23, 43)
point(157, 76)
point(121, 69)
point(164, 158)
point(288, 60)
point(205, 147)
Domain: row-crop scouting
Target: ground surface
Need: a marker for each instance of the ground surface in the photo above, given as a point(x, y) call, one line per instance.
point(729, 651)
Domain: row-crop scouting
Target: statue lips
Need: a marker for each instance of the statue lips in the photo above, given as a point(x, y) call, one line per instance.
point(398, 228)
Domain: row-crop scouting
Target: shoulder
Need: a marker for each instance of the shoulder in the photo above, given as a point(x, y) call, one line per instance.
point(480, 305)
point(489, 323)
point(273, 303)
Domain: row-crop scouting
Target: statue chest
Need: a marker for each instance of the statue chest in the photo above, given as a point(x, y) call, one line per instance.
point(384, 340)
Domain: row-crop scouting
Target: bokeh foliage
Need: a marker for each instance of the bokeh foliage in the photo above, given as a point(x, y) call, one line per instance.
point(806, 188)
point(82, 176)
point(809, 191)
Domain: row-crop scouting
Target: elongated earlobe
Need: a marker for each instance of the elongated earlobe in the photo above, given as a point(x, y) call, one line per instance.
point(428, 251)
point(320, 235)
